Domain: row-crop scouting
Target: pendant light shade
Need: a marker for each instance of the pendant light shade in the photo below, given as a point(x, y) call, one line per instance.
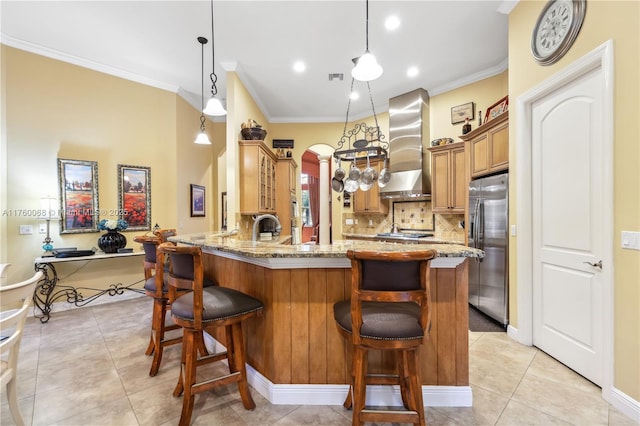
point(367, 67)
point(202, 138)
point(214, 106)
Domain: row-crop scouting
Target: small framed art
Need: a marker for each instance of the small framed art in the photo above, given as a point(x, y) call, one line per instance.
point(197, 201)
point(461, 112)
point(496, 109)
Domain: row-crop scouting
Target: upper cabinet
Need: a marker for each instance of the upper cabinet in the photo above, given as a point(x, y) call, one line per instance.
point(286, 190)
point(257, 178)
point(488, 146)
point(448, 179)
point(369, 202)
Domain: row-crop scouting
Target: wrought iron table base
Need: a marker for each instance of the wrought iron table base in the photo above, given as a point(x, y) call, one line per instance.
point(47, 291)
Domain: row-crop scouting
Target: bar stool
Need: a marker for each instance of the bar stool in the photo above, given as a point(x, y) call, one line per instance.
point(389, 310)
point(159, 293)
point(206, 309)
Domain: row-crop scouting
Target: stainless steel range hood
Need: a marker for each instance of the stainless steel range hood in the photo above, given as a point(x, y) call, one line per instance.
point(409, 161)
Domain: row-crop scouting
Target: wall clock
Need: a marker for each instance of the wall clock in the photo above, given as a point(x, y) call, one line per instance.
point(556, 29)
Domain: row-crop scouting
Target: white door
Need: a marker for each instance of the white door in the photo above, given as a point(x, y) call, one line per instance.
point(567, 224)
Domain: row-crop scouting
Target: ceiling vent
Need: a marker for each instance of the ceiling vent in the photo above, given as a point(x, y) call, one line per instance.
point(336, 76)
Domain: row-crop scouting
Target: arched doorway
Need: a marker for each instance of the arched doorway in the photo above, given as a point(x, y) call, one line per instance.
point(311, 196)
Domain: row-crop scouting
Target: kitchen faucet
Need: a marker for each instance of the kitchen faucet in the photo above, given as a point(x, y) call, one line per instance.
point(257, 220)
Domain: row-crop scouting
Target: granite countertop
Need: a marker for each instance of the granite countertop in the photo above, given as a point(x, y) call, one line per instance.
point(280, 247)
point(423, 240)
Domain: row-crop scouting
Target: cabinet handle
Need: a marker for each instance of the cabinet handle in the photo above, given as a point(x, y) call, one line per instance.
point(595, 265)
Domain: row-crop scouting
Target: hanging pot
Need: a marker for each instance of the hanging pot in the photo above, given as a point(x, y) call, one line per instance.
point(339, 173)
point(385, 175)
point(350, 185)
point(354, 172)
point(337, 184)
point(369, 175)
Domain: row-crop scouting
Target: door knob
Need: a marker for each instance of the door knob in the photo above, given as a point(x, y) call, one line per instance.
point(595, 265)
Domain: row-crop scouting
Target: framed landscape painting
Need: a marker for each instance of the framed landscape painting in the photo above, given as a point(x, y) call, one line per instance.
point(134, 200)
point(78, 195)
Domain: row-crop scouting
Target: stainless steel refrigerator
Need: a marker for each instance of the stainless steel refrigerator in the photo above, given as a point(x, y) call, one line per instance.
point(488, 231)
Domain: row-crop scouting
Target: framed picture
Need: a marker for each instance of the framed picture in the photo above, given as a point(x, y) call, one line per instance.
point(134, 196)
point(461, 112)
point(197, 201)
point(78, 195)
point(223, 206)
point(496, 109)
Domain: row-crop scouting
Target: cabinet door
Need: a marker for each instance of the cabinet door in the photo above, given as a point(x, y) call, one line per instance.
point(369, 201)
point(499, 148)
point(480, 155)
point(440, 181)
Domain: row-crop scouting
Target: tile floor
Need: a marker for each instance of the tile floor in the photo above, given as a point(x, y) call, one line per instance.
point(87, 367)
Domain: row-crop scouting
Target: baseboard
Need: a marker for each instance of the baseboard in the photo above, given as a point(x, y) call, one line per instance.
point(625, 404)
point(283, 394)
point(512, 332)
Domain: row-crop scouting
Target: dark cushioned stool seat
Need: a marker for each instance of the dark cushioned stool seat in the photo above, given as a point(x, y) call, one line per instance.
point(381, 320)
point(220, 303)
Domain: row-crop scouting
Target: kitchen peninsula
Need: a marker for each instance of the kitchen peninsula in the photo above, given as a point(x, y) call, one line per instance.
point(294, 350)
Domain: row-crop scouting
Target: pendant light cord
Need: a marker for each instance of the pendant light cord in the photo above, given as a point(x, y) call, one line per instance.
point(213, 76)
point(202, 41)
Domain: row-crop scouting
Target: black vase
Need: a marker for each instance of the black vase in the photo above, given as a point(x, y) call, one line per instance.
point(112, 241)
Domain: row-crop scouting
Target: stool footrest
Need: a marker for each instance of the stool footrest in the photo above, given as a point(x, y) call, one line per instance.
point(208, 385)
point(208, 359)
point(383, 379)
point(394, 416)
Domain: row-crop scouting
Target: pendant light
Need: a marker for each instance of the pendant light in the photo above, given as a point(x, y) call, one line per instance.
point(202, 138)
point(367, 68)
point(214, 106)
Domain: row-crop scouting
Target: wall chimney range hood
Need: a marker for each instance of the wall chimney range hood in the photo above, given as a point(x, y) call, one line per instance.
point(409, 162)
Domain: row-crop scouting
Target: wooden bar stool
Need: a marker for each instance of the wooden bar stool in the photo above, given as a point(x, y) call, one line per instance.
point(160, 296)
point(389, 310)
point(206, 309)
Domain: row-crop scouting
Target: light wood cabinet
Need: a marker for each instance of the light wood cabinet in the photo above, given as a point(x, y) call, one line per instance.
point(448, 179)
point(286, 192)
point(369, 202)
point(257, 178)
point(488, 146)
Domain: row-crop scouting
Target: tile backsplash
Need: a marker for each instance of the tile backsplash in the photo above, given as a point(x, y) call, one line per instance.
point(408, 215)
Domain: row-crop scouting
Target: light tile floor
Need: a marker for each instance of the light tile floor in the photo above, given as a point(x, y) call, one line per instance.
point(87, 367)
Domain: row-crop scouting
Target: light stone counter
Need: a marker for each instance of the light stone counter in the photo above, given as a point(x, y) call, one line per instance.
point(279, 248)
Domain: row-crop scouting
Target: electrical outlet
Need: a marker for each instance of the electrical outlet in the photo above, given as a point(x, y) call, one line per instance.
point(348, 221)
point(513, 230)
point(43, 228)
point(356, 221)
point(26, 229)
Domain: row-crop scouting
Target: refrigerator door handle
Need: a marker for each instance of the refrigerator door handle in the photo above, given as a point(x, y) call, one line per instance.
point(474, 224)
point(481, 227)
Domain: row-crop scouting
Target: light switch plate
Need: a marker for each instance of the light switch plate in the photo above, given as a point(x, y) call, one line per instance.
point(26, 229)
point(43, 228)
point(631, 240)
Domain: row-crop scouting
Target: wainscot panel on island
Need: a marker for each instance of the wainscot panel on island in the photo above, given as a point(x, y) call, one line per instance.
point(294, 351)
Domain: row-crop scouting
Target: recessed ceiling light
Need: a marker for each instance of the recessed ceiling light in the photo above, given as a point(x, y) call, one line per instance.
point(392, 22)
point(299, 66)
point(354, 95)
point(412, 71)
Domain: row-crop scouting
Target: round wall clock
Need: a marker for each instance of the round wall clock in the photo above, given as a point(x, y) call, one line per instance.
point(556, 29)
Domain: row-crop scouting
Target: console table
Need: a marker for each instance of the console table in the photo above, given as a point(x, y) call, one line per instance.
point(47, 290)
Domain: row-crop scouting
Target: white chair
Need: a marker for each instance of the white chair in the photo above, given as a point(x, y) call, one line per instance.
point(3, 272)
point(14, 304)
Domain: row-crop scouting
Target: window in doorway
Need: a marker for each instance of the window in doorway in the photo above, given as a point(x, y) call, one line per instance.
point(306, 208)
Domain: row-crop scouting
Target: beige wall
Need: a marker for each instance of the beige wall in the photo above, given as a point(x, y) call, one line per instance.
point(619, 21)
point(483, 93)
point(57, 110)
